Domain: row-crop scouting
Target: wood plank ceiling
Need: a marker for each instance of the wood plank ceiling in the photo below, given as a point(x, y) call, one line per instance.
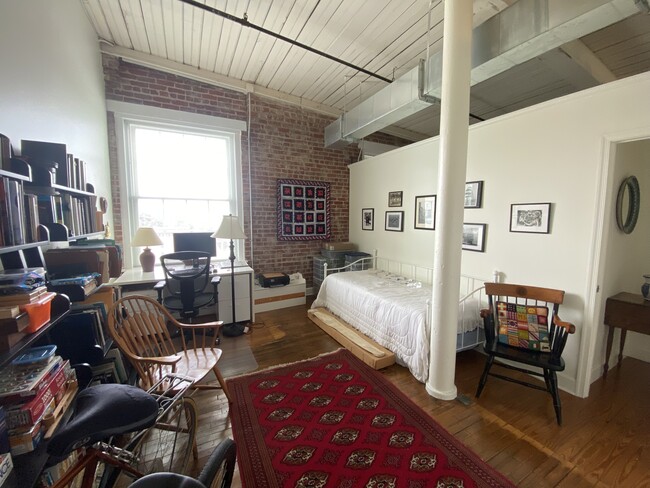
point(385, 37)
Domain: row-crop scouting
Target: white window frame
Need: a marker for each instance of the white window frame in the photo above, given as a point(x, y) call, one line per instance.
point(126, 115)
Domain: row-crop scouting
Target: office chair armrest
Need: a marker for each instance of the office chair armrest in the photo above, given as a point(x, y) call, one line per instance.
point(215, 280)
point(570, 328)
point(159, 289)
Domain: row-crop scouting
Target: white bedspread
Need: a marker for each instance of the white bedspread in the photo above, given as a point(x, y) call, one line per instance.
point(392, 311)
point(386, 310)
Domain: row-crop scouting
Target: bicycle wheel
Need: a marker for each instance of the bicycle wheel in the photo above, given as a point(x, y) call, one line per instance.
point(218, 471)
point(167, 446)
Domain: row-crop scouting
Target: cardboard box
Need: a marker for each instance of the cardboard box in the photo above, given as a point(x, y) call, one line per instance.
point(29, 413)
point(25, 440)
point(6, 466)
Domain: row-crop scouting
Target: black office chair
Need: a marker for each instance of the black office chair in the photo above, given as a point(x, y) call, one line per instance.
point(185, 289)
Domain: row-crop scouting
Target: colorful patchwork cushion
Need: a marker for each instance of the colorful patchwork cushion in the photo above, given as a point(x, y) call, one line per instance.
point(523, 326)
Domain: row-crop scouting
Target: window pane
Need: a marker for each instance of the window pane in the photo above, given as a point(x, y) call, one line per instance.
point(180, 165)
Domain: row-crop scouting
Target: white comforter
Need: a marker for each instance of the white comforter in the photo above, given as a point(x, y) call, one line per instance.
point(389, 310)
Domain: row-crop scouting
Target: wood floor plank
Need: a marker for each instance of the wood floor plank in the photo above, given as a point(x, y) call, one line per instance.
point(603, 442)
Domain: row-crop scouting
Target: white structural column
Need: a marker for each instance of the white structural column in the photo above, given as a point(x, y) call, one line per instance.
point(454, 122)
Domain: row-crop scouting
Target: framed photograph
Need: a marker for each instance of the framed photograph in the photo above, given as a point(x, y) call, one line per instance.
point(530, 217)
point(394, 198)
point(367, 219)
point(425, 212)
point(473, 194)
point(474, 237)
point(395, 221)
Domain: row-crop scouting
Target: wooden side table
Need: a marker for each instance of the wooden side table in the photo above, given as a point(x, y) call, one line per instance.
point(627, 311)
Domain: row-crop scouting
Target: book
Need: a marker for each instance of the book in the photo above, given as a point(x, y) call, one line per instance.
point(22, 298)
point(14, 190)
point(118, 359)
point(5, 222)
point(9, 312)
point(7, 341)
point(31, 218)
point(14, 324)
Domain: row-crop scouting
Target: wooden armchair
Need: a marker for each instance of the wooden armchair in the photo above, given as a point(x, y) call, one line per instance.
point(522, 325)
point(139, 327)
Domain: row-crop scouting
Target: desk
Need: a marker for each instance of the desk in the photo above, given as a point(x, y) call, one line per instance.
point(627, 311)
point(136, 279)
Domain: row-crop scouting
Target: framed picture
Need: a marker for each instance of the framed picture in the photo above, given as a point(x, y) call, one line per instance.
point(530, 217)
point(473, 194)
point(367, 219)
point(425, 212)
point(395, 221)
point(394, 198)
point(474, 237)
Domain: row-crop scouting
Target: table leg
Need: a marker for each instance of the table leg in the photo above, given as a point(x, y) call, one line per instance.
point(610, 339)
point(621, 345)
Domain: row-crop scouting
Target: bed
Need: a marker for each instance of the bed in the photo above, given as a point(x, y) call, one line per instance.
point(381, 311)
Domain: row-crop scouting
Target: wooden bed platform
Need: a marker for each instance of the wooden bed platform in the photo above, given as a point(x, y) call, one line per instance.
point(360, 345)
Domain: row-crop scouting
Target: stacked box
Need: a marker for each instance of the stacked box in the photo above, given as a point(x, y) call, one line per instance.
point(335, 259)
point(351, 257)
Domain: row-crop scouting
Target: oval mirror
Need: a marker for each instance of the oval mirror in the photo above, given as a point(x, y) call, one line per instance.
point(628, 202)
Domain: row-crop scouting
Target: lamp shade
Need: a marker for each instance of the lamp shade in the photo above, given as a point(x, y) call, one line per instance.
point(146, 236)
point(230, 228)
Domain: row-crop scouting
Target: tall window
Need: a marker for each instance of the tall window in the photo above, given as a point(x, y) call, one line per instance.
point(180, 177)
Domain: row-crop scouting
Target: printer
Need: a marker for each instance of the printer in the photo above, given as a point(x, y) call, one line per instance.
point(268, 280)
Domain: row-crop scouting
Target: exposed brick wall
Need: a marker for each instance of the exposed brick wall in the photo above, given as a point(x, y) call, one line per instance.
point(285, 142)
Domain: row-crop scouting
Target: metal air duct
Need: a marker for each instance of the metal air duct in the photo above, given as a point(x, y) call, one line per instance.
point(526, 29)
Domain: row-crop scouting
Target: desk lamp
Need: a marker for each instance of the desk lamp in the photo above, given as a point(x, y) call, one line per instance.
point(146, 236)
point(231, 228)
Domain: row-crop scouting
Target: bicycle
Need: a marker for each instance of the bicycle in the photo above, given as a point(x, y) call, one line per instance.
point(217, 472)
point(128, 432)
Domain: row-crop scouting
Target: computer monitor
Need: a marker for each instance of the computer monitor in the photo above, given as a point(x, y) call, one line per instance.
point(195, 241)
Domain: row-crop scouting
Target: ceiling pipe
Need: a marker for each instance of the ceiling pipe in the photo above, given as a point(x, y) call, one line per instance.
point(244, 21)
point(526, 29)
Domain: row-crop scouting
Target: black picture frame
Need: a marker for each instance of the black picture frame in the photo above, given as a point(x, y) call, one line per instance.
point(425, 212)
point(474, 194)
point(395, 198)
point(474, 237)
point(394, 221)
point(530, 218)
point(367, 219)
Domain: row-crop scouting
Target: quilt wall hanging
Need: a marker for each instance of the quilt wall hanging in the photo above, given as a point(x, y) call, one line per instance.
point(303, 210)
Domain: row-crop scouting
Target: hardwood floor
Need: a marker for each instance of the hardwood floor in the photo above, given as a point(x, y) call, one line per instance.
point(604, 440)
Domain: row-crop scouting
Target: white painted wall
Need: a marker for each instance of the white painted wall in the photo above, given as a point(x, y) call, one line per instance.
point(52, 83)
point(553, 152)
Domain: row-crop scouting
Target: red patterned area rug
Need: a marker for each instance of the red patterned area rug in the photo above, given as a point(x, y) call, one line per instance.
point(332, 421)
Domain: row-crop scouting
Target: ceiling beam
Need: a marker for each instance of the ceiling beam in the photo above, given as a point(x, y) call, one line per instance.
point(585, 57)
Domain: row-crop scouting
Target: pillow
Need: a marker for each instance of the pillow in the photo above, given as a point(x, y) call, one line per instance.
point(523, 326)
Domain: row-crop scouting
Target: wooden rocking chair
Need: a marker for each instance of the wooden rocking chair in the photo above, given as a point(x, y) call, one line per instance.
point(139, 327)
point(522, 326)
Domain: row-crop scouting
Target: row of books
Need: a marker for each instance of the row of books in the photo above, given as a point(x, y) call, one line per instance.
point(77, 213)
point(18, 214)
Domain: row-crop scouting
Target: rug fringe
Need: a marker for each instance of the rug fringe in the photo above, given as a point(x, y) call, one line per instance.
point(276, 366)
